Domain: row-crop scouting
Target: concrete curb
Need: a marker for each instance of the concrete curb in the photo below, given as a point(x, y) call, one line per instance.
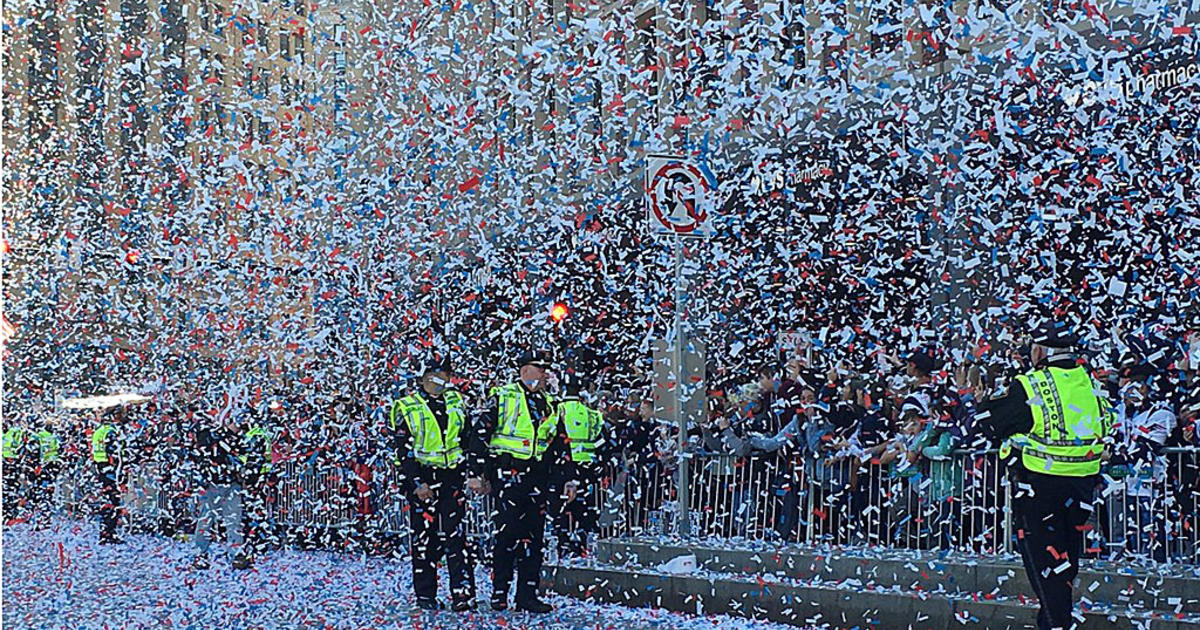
point(810, 605)
point(930, 572)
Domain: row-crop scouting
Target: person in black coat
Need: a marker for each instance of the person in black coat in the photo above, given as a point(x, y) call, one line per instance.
point(523, 461)
point(440, 458)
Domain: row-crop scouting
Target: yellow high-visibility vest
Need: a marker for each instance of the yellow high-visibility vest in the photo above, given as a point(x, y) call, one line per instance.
point(1070, 422)
point(515, 434)
point(583, 428)
point(430, 445)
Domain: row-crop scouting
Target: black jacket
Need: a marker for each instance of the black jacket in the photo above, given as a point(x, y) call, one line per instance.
point(1001, 418)
point(413, 473)
point(216, 455)
point(539, 408)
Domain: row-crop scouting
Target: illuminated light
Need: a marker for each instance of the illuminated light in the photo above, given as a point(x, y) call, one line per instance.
point(559, 312)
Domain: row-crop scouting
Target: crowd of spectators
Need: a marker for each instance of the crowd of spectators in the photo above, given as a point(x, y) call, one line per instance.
point(791, 450)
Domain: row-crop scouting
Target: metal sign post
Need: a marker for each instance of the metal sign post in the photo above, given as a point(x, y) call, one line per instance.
point(680, 195)
point(682, 496)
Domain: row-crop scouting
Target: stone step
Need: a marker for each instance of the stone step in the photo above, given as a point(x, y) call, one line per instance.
point(799, 604)
point(918, 571)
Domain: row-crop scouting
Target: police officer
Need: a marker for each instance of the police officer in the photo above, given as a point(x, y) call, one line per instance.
point(256, 467)
point(45, 474)
point(518, 428)
point(573, 461)
point(432, 438)
point(1054, 426)
point(18, 463)
point(108, 457)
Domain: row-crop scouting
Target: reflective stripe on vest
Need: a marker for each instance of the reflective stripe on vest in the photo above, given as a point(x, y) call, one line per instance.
point(49, 445)
point(583, 429)
point(429, 445)
point(13, 439)
point(99, 440)
point(251, 435)
point(515, 433)
point(394, 413)
point(1069, 423)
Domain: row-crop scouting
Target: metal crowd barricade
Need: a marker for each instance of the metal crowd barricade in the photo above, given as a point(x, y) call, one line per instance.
point(1149, 507)
point(959, 503)
point(1144, 510)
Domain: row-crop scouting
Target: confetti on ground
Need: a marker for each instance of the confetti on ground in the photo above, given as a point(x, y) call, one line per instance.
point(148, 583)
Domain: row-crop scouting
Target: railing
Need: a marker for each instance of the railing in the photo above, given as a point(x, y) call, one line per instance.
point(1144, 510)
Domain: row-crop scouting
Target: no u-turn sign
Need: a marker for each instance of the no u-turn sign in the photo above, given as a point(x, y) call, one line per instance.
point(680, 196)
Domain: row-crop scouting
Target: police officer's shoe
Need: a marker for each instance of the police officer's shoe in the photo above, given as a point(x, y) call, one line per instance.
point(499, 601)
point(430, 604)
point(200, 562)
point(534, 606)
point(462, 605)
point(241, 563)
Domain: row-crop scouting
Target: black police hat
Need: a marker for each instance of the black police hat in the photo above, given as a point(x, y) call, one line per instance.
point(1053, 334)
point(438, 364)
point(922, 360)
point(538, 358)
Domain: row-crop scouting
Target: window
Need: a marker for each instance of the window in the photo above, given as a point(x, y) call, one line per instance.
point(790, 50)
point(885, 29)
point(285, 48)
point(834, 43)
point(647, 53)
point(931, 34)
point(298, 46)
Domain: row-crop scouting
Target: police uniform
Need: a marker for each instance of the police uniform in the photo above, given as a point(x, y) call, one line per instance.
point(45, 473)
point(518, 428)
point(433, 447)
point(1054, 426)
point(256, 466)
point(107, 456)
point(573, 458)
point(18, 463)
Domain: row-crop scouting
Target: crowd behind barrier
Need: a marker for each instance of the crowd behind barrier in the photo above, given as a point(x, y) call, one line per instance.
point(959, 504)
point(799, 455)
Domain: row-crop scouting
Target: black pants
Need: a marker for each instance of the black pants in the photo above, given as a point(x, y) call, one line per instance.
point(110, 500)
point(14, 472)
point(41, 491)
point(520, 529)
point(572, 520)
point(255, 521)
point(1049, 512)
point(437, 530)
